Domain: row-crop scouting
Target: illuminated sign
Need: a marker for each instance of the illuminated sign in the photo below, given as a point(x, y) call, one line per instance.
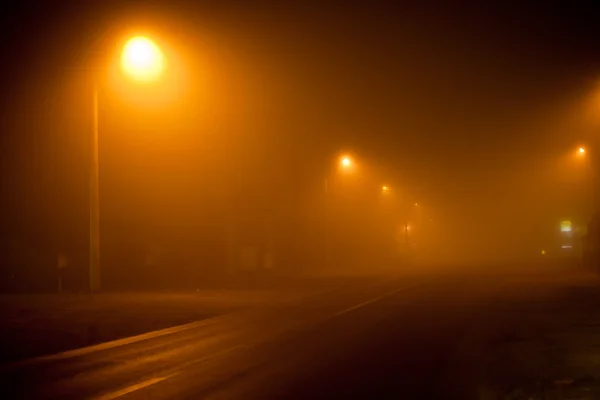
point(565, 226)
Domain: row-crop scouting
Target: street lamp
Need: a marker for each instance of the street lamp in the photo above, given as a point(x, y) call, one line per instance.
point(385, 188)
point(142, 60)
point(346, 162)
point(587, 158)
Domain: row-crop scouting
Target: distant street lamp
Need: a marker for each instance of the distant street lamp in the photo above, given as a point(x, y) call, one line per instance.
point(142, 60)
point(345, 163)
point(385, 188)
point(587, 158)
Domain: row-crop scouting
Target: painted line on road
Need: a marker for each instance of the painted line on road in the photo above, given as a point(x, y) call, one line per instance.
point(168, 331)
point(181, 368)
point(133, 388)
point(112, 344)
point(375, 299)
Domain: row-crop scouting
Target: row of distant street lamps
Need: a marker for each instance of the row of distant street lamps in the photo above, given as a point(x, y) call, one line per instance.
point(347, 163)
point(143, 61)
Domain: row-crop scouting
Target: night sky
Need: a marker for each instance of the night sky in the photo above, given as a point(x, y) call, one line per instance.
point(469, 107)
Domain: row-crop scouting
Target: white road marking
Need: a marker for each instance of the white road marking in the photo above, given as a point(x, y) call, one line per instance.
point(182, 367)
point(174, 329)
point(132, 388)
point(373, 300)
point(112, 344)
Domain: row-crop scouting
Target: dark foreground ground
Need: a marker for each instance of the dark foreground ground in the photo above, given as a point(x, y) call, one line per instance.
point(415, 337)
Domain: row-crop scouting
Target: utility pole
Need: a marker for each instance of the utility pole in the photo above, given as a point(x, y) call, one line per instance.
point(231, 241)
point(327, 239)
point(94, 272)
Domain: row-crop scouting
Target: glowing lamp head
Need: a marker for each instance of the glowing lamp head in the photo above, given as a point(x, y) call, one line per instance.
point(346, 162)
point(385, 188)
point(142, 59)
point(581, 151)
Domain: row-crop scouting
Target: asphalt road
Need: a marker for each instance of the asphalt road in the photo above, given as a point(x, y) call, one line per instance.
point(394, 338)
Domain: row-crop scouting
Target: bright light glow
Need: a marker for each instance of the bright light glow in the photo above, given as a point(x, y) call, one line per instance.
point(346, 162)
point(581, 150)
point(385, 188)
point(567, 246)
point(543, 252)
point(142, 59)
point(416, 204)
point(565, 226)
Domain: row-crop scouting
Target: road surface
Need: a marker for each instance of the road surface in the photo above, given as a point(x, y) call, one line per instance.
point(399, 337)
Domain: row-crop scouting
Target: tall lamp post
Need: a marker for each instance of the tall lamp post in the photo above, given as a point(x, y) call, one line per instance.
point(344, 163)
point(386, 190)
point(142, 60)
point(588, 159)
point(94, 203)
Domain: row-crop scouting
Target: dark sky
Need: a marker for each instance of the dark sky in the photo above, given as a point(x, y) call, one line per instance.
point(464, 104)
